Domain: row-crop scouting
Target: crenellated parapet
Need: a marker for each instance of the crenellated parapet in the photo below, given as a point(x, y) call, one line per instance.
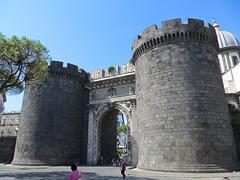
point(173, 31)
point(72, 72)
point(118, 70)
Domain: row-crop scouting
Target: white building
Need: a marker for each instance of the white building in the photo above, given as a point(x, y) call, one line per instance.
point(229, 59)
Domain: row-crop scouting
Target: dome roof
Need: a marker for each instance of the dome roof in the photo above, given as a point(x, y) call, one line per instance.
point(225, 39)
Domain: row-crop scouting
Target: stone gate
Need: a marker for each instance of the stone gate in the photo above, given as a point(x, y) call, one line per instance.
point(109, 91)
point(181, 122)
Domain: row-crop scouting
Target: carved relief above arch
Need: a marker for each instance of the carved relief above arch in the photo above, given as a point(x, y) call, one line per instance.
point(123, 106)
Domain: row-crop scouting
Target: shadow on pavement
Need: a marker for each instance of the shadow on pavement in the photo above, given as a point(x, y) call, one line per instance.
point(61, 176)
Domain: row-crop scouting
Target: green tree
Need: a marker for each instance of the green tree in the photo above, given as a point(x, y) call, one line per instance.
point(121, 133)
point(21, 60)
point(122, 129)
point(111, 69)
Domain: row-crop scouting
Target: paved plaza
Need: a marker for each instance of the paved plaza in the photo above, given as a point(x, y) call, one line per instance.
point(9, 172)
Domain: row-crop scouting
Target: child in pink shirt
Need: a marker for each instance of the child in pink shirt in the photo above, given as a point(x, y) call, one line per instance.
point(75, 174)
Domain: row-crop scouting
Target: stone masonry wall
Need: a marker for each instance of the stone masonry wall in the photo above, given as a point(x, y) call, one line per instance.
point(183, 119)
point(9, 124)
point(53, 129)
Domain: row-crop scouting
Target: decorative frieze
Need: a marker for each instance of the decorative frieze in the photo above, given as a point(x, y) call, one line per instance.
point(113, 81)
point(115, 71)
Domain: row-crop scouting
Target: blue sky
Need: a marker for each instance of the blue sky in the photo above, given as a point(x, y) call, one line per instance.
point(99, 33)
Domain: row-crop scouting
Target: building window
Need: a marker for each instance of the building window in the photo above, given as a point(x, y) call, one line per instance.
point(234, 60)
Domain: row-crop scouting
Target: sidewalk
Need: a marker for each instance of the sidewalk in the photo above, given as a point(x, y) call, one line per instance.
point(10, 172)
point(184, 176)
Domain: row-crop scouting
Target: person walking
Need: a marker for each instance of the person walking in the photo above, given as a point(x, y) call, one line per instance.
point(75, 174)
point(123, 167)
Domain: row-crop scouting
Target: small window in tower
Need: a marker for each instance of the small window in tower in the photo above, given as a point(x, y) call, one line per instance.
point(235, 60)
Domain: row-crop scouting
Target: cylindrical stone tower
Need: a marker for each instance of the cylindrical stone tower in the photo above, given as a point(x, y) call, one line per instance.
point(53, 127)
point(183, 118)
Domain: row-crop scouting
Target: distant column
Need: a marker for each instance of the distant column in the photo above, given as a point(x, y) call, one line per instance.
point(90, 155)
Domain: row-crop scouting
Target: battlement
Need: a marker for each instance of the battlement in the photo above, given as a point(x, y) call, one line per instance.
point(103, 73)
point(72, 71)
point(173, 31)
point(177, 22)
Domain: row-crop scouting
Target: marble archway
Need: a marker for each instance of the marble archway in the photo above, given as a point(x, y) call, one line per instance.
point(96, 114)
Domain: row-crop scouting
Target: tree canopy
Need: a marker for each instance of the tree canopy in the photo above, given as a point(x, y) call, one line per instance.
point(21, 60)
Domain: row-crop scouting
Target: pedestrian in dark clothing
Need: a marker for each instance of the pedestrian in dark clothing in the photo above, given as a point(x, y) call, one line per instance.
point(123, 167)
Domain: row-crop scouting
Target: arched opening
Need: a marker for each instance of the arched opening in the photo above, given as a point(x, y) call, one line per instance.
point(113, 139)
